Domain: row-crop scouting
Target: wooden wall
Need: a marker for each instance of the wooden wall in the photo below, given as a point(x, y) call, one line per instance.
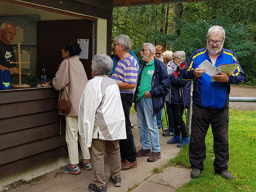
point(29, 129)
point(51, 38)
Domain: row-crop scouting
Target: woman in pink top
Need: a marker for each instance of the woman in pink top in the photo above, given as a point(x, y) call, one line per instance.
point(70, 80)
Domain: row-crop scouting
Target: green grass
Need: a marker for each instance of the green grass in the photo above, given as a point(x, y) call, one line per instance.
point(242, 163)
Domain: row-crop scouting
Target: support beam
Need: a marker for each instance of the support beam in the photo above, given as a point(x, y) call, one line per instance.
point(127, 3)
point(121, 3)
point(157, 2)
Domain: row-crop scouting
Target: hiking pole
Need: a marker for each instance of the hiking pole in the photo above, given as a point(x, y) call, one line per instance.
point(166, 121)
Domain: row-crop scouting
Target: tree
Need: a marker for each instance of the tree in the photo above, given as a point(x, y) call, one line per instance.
point(188, 24)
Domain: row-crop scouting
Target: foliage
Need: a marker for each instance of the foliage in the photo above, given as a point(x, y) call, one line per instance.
point(146, 24)
point(242, 150)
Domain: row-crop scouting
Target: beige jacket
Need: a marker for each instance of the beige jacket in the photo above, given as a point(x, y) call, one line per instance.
point(74, 84)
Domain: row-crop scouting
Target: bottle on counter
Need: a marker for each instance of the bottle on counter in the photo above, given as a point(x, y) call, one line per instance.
point(43, 75)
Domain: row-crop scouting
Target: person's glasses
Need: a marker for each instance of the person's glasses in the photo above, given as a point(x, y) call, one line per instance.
point(116, 44)
point(158, 53)
point(142, 50)
point(216, 42)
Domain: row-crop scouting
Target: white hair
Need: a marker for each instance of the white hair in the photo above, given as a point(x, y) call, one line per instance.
point(180, 54)
point(151, 47)
point(102, 64)
point(168, 55)
point(216, 29)
point(125, 41)
point(4, 25)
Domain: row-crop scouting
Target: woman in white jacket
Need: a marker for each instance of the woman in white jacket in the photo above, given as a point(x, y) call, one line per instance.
point(101, 122)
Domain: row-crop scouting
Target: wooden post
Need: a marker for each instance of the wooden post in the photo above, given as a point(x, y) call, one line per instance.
point(19, 57)
point(19, 63)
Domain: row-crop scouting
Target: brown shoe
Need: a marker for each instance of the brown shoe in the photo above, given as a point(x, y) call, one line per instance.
point(123, 160)
point(143, 152)
point(128, 165)
point(154, 157)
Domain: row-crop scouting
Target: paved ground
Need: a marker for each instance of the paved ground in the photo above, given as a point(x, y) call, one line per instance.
point(142, 177)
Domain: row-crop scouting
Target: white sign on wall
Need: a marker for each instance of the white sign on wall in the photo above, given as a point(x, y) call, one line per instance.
point(84, 44)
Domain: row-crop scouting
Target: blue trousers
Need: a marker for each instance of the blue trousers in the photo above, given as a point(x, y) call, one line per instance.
point(147, 125)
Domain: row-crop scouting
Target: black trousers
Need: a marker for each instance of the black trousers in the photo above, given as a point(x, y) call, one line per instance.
point(127, 146)
point(178, 120)
point(201, 119)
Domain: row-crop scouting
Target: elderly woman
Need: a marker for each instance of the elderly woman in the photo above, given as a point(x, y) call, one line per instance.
point(179, 100)
point(70, 80)
point(101, 122)
point(168, 61)
point(171, 68)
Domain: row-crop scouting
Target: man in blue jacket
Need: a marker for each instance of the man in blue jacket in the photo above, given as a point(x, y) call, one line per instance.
point(152, 86)
point(211, 101)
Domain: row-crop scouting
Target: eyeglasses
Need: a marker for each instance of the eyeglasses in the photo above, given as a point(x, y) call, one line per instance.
point(116, 44)
point(158, 53)
point(142, 50)
point(216, 42)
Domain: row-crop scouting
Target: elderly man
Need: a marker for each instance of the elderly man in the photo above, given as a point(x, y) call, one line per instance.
point(126, 73)
point(153, 85)
point(103, 125)
point(8, 32)
point(210, 102)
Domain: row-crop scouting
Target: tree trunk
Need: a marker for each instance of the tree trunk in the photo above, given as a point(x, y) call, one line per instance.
point(166, 22)
point(178, 16)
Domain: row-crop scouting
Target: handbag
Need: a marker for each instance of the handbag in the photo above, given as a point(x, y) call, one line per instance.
point(64, 106)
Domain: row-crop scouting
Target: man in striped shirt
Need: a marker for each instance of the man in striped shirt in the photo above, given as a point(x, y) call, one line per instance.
point(125, 75)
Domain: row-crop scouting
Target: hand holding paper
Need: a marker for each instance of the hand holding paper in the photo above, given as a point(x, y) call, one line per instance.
point(221, 77)
point(198, 72)
point(209, 68)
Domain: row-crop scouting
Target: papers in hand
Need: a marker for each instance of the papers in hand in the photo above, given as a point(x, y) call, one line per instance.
point(209, 68)
point(212, 70)
point(228, 68)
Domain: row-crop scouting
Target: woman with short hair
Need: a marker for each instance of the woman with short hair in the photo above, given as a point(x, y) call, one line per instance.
point(101, 122)
point(179, 100)
point(70, 81)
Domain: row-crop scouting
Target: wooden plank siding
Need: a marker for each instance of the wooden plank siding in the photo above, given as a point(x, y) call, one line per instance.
point(29, 129)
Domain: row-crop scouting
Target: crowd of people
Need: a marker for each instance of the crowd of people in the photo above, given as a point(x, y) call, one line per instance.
point(99, 117)
point(100, 113)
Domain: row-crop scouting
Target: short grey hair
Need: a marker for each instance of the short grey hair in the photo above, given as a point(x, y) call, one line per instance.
point(180, 54)
point(151, 47)
point(102, 64)
point(216, 29)
point(167, 55)
point(4, 25)
point(125, 41)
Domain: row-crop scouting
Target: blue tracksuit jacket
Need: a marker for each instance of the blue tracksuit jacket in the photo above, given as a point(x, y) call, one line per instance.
point(211, 94)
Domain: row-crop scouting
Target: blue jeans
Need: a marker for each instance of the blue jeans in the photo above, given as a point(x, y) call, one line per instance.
point(170, 117)
point(159, 116)
point(147, 125)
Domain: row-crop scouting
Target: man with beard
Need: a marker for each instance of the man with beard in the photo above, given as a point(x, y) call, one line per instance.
point(210, 102)
point(153, 85)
